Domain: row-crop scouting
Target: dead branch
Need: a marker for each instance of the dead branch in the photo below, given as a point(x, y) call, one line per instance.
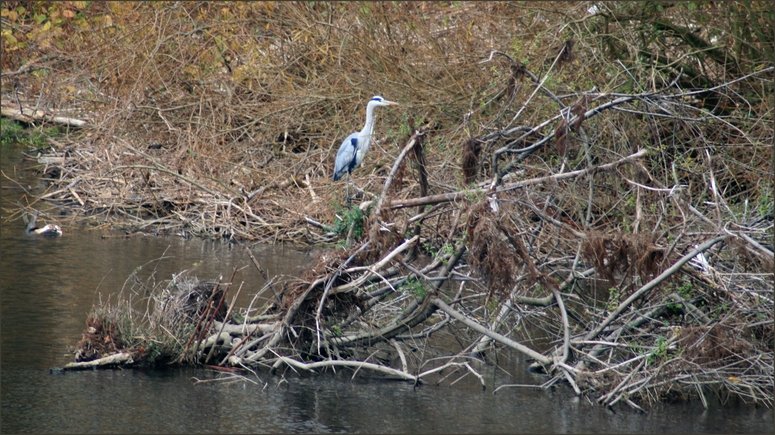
point(462, 194)
point(29, 116)
point(107, 361)
point(653, 283)
point(494, 335)
point(352, 364)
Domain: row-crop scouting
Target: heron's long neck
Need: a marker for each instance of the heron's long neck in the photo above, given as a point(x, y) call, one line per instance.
point(32, 224)
point(369, 126)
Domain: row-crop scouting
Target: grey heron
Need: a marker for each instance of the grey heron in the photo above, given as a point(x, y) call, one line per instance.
point(355, 146)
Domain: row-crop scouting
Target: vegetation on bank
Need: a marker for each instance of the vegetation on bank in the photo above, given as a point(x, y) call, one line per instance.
point(597, 172)
point(15, 133)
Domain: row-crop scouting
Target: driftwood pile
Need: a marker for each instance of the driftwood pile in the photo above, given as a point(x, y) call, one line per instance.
point(679, 304)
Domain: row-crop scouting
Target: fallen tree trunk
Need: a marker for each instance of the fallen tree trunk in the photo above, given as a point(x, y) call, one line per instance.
point(30, 116)
point(110, 361)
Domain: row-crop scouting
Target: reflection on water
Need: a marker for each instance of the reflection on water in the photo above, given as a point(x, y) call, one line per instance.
point(56, 281)
point(47, 286)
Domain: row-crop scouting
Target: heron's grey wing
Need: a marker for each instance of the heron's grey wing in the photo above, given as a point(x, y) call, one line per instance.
point(345, 157)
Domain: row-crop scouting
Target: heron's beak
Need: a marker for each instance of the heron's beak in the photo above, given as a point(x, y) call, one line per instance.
point(390, 103)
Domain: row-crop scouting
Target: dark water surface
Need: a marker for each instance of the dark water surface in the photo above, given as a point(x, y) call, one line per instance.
point(47, 286)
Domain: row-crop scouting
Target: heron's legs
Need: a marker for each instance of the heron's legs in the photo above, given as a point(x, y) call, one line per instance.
point(358, 191)
point(347, 198)
point(362, 192)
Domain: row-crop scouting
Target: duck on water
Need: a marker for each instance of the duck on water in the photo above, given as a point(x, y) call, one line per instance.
point(49, 230)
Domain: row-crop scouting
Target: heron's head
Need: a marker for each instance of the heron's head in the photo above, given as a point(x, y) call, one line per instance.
point(379, 101)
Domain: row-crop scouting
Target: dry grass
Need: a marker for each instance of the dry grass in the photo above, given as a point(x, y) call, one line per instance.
point(222, 120)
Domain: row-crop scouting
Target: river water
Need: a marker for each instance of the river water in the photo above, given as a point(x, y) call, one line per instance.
point(47, 287)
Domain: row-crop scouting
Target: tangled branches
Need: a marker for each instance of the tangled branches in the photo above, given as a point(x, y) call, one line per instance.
point(626, 317)
point(593, 193)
